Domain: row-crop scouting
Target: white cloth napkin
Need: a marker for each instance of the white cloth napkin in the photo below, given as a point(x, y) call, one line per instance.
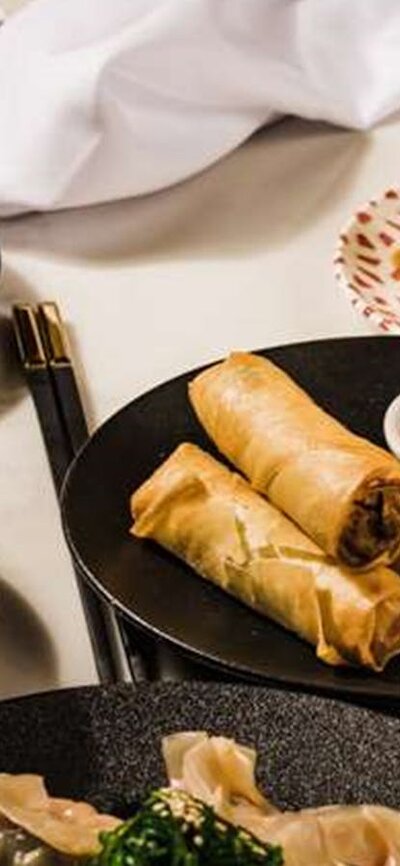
point(103, 99)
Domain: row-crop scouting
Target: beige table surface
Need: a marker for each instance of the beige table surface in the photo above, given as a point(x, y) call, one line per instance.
point(237, 257)
point(9, 6)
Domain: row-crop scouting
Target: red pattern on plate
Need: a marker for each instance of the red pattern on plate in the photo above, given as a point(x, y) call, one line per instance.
point(386, 239)
point(368, 259)
point(365, 242)
point(370, 274)
point(393, 225)
point(364, 217)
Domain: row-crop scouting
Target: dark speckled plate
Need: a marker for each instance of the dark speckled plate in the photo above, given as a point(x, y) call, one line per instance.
point(103, 744)
point(355, 379)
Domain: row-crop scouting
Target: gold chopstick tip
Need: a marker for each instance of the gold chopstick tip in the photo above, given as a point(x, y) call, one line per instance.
point(28, 337)
point(53, 332)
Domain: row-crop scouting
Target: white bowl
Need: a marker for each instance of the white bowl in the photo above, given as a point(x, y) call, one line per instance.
point(391, 426)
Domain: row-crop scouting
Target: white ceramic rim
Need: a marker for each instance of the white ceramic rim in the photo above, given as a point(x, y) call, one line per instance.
point(391, 426)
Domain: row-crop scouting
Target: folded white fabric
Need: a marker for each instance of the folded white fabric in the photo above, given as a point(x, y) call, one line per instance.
point(103, 99)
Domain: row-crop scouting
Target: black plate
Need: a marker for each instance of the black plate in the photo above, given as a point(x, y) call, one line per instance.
point(353, 378)
point(103, 744)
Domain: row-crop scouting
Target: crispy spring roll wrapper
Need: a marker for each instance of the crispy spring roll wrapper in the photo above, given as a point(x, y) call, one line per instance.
point(340, 489)
point(213, 520)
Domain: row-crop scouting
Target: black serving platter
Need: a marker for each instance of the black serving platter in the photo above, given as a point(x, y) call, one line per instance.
point(354, 379)
point(102, 744)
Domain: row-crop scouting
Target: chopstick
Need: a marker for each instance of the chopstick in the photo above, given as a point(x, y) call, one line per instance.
point(57, 352)
point(34, 362)
point(50, 376)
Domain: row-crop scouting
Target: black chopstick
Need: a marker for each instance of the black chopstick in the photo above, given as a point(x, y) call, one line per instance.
point(37, 375)
point(65, 387)
point(53, 333)
point(50, 377)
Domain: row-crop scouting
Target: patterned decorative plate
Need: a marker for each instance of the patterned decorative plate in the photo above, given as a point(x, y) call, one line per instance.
point(367, 261)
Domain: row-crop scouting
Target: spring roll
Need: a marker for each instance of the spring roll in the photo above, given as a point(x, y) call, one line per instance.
point(340, 489)
point(213, 520)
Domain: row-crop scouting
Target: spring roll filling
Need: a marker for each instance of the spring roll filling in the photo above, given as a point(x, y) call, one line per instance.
point(373, 527)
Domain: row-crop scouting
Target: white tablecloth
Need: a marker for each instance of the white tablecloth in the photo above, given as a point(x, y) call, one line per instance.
point(239, 257)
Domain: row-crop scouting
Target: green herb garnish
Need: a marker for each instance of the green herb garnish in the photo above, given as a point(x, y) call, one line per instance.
point(174, 829)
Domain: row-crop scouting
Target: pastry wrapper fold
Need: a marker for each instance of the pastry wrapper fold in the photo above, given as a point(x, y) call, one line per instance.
point(212, 519)
point(212, 768)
